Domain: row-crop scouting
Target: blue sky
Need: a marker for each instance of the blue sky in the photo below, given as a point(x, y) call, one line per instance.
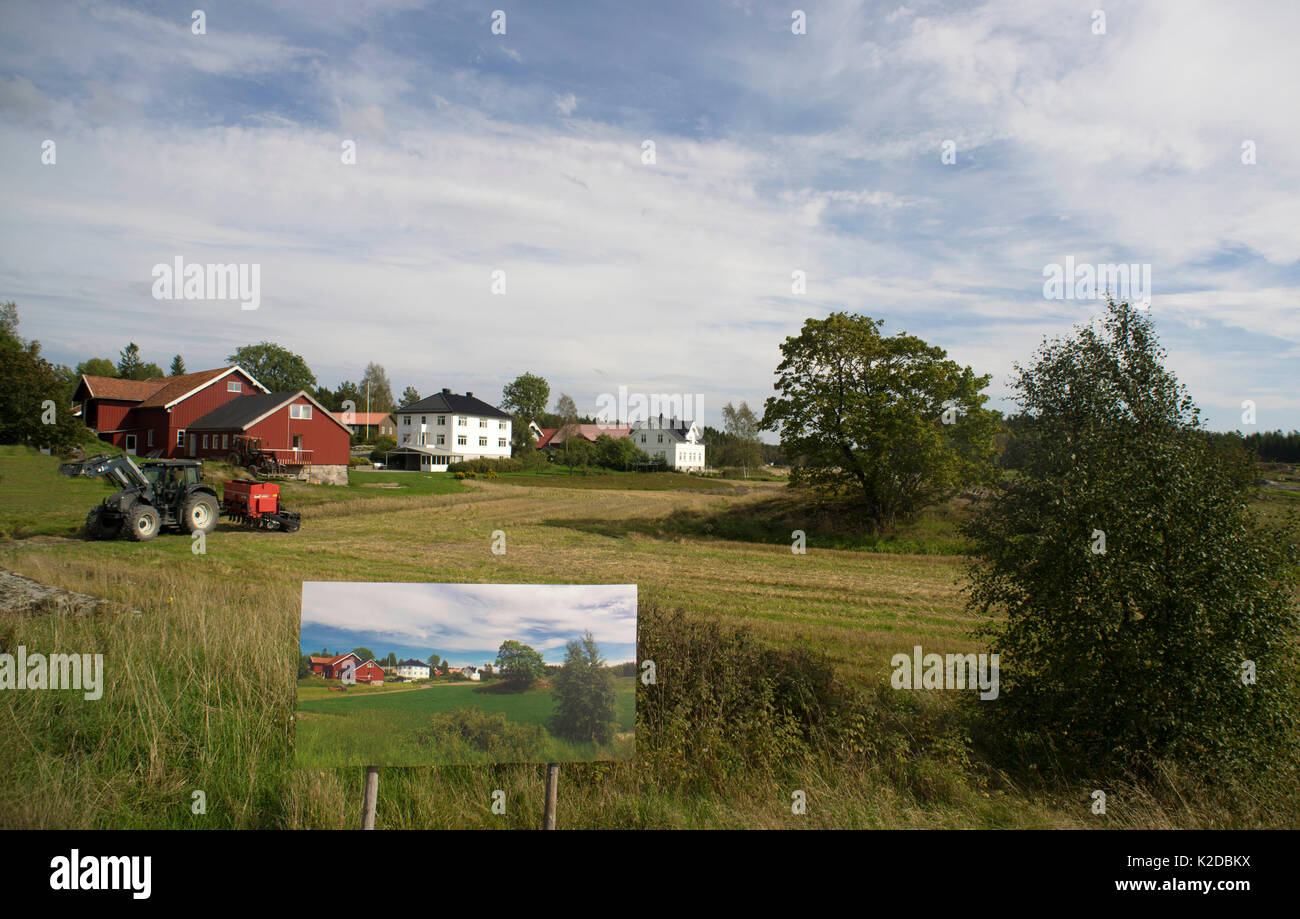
point(466, 623)
point(775, 152)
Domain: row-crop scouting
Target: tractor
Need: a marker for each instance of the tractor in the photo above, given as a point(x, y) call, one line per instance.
point(153, 495)
point(247, 452)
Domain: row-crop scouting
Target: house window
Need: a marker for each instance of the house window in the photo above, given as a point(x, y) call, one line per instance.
point(424, 419)
point(234, 386)
point(442, 439)
point(501, 425)
point(406, 419)
point(461, 421)
point(180, 438)
point(661, 438)
point(482, 422)
point(205, 441)
point(501, 441)
point(150, 437)
point(301, 412)
point(297, 441)
point(422, 443)
point(461, 440)
point(225, 439)
point(442, 419)
point(482, 441)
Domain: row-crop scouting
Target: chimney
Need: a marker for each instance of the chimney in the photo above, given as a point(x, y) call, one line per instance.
point(469, 395)
point(446, 391)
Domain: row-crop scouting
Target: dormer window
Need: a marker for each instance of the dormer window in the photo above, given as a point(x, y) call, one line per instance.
point(234, 386)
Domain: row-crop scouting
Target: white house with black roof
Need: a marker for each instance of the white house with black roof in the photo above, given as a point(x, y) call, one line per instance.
point(678, 442)
point(413, 669)
point(448, 428)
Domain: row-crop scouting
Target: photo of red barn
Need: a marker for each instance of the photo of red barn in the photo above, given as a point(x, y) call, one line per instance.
point(331, 668)
point(150, 417)
point(292, 426)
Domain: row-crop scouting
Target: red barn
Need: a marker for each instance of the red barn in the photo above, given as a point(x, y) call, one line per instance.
point(293, 426)
point(332, 667)
point(150, 417)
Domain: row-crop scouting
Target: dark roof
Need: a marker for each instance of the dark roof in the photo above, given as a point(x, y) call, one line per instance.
point(413, 663)
point(240, 411)
point(453, 404)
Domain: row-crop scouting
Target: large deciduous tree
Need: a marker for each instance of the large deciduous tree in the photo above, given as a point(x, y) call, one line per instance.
point(525, 399)
point(890, 423)
point(376, 391)
point(743, 446)
point(1140, 611)
point(34, 406)
point(584, 695)
point(520, 665)
point(275, 367)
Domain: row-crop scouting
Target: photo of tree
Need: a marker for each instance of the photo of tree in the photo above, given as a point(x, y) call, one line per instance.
point(402, 674)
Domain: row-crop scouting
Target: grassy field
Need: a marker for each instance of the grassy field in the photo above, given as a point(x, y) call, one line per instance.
point(197, 699)
point(366, 727)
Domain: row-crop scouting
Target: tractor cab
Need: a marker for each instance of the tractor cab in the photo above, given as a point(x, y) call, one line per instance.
point(171, 479)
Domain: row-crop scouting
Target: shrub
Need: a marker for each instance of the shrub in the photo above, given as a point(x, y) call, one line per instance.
point(382, 445)
point(487, 465)
point(490, 735)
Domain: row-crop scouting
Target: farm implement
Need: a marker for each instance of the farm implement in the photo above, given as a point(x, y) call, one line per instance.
point(257, 505)
point(265, 463)
point(154, 495)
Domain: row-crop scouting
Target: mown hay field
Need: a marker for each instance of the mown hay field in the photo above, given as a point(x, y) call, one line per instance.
point(200, 688)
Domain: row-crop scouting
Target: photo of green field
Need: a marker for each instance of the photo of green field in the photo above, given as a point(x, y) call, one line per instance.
point(384, 725)
point(473, 674)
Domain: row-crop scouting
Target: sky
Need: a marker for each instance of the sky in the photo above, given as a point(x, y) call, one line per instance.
point(1164, 136)
point(466, 623)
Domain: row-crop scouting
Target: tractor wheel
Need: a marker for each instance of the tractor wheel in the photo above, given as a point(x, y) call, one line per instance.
point(199, 514)
point(142, 523)
point(252, 470)
point(97, 527)
point(233, 459)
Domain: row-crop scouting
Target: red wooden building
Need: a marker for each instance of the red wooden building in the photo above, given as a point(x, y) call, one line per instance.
point(293, 426)
point(151, 417)
point(332, 667)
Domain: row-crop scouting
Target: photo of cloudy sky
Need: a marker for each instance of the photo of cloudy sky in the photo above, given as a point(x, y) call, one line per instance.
point(466, 623)
point(775, 152)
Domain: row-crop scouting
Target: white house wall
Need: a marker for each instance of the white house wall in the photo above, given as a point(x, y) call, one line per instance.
point(494, 429)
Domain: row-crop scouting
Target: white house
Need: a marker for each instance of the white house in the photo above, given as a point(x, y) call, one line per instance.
point(448, 428)
point(412, 669)
point(471, 672)
point(678, 442)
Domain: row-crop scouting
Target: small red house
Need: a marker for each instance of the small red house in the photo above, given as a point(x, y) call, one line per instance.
point(331, 668)
point(148, 417)
point(293, 426)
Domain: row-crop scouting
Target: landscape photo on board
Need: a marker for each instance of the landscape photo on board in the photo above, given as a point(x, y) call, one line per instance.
point(402, 674)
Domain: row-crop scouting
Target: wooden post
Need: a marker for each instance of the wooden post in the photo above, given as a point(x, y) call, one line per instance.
point(368, 799)
point(552, 783)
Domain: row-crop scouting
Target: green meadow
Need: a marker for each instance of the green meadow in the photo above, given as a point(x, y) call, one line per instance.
point(201, 694)
point(381, 728)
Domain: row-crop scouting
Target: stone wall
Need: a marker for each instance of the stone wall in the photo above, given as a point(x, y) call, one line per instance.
point(328, 475)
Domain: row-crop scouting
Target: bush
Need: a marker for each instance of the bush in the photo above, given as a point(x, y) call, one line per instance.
point(490, 736)
point(382, 445)
point(487, 465)
point(358, 461)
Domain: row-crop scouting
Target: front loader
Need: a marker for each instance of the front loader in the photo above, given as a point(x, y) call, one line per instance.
point(154, 495)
